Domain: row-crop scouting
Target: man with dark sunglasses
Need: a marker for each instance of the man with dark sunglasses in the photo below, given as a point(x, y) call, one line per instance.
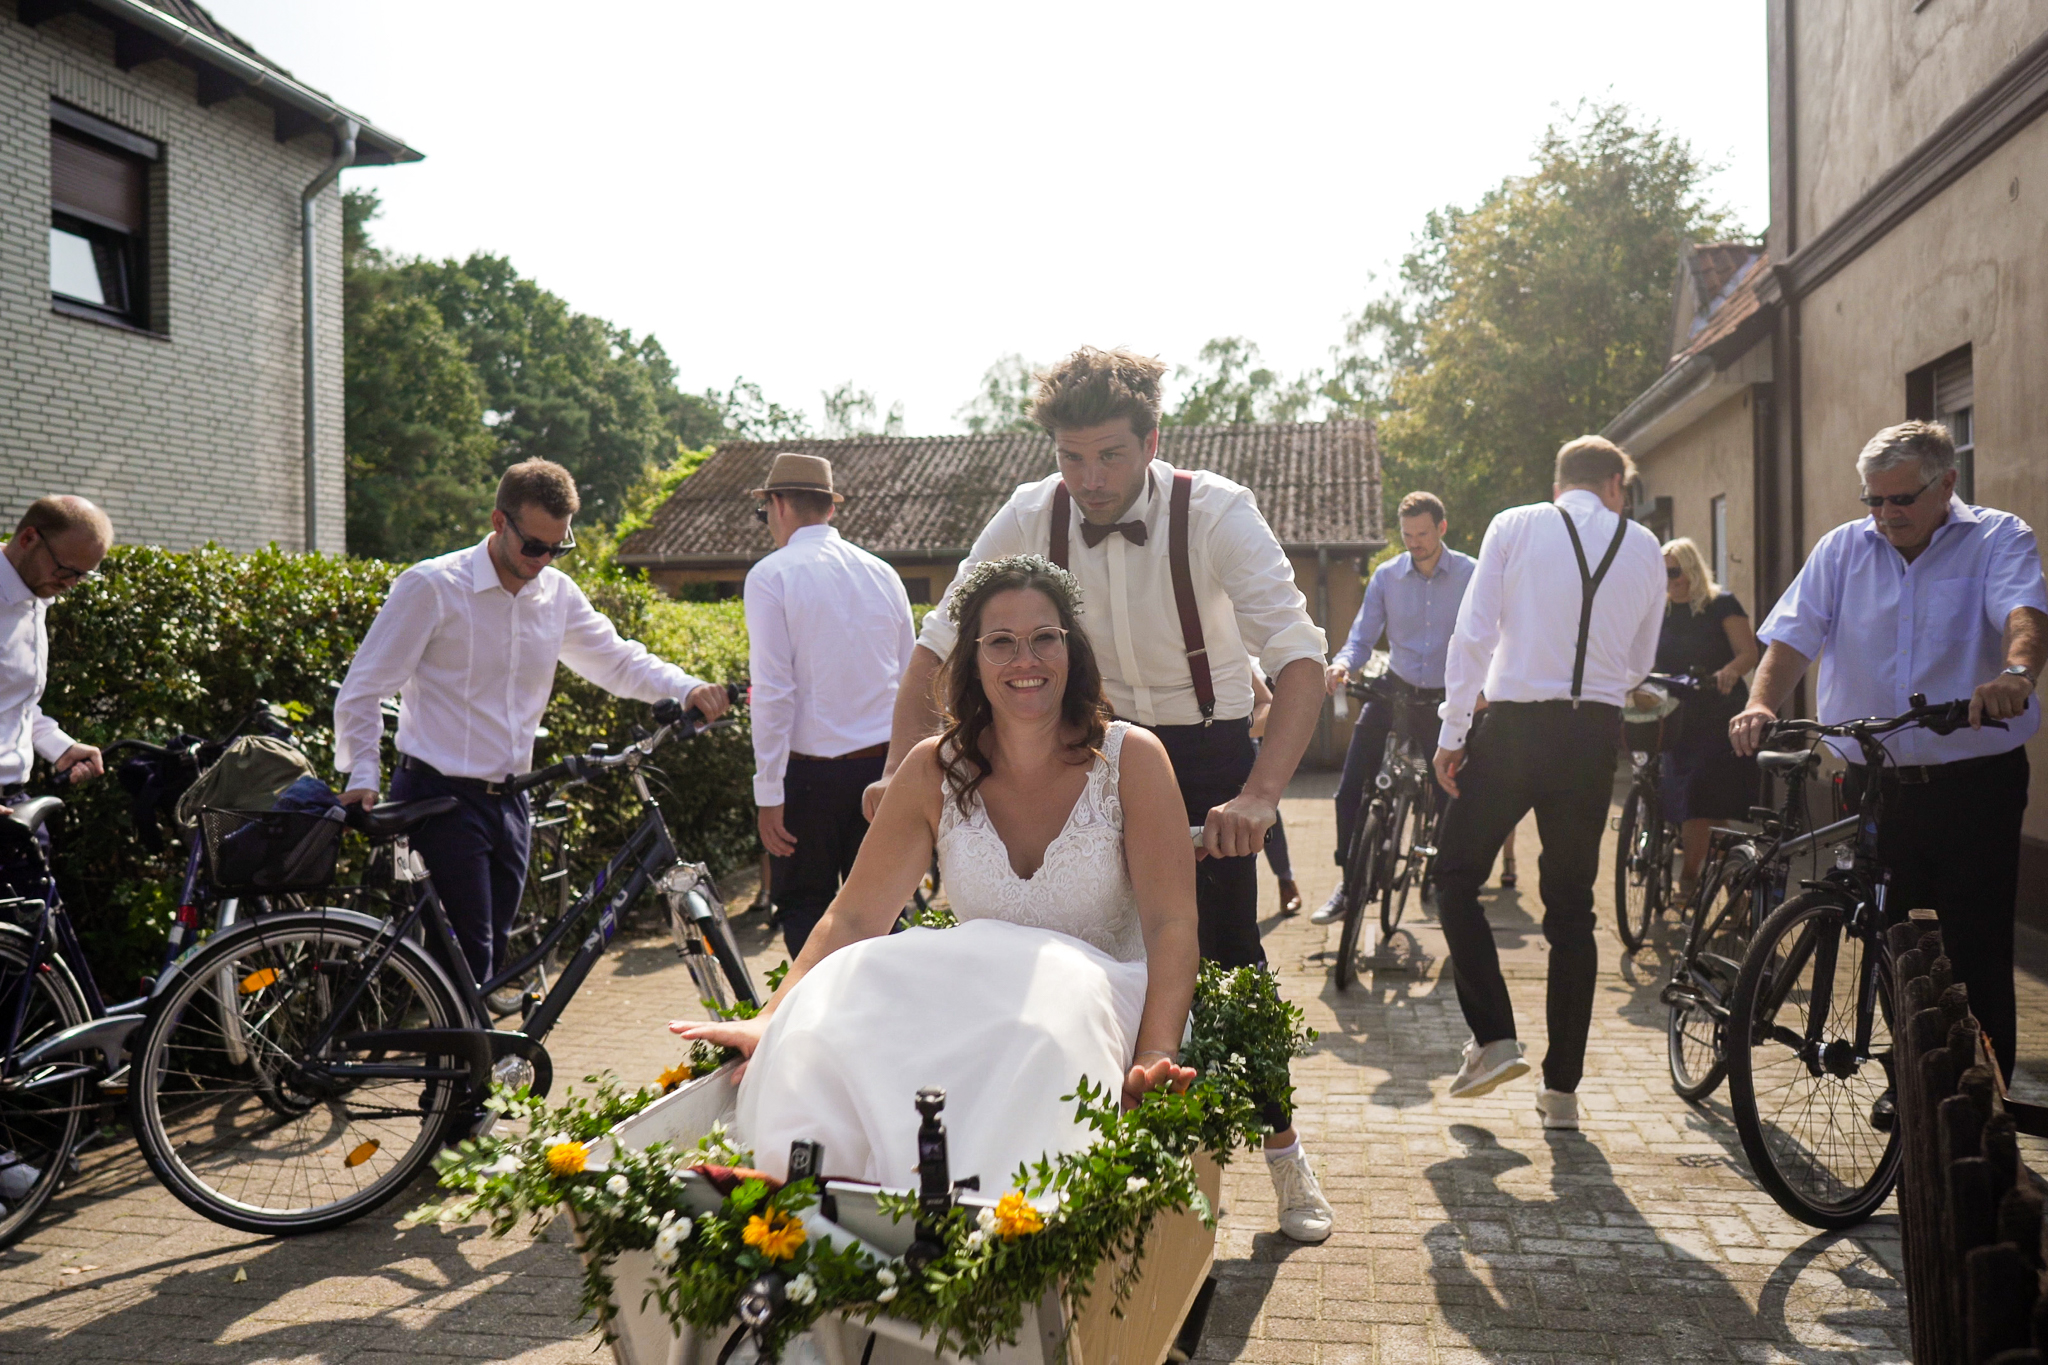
point(1927, 594)
point(469, 643)
point(57, 545)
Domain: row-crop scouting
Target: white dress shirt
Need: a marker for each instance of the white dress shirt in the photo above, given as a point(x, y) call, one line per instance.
point(1518, 629)
point(828, 638)
point(1885, 629)
point(24, 667)
point(473, 667)
point(1244, 589)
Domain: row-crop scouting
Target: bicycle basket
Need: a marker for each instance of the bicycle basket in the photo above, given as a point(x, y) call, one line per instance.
point(270, 851)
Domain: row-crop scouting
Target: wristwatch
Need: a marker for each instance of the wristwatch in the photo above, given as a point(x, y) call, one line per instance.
point(2021, 671)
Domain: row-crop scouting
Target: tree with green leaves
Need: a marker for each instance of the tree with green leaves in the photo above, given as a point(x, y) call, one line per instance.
point(856, 412)
point(1228, 385)
point(1530, 318)
point(1004, 403)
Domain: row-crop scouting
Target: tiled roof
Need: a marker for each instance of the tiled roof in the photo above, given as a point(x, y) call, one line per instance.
point(1714, 264)
point(1733, 304)
point(1318, 484)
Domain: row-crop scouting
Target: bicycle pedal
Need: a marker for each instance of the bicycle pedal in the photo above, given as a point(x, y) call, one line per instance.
point(117, 1083)
point(1424, 850)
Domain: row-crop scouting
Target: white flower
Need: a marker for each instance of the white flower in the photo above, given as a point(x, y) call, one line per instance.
point(886, 1275)
point(986, 1220)
point(554, 1140)
point(672, 1234)
point(886, 1294)
point(506, 1164)
point(618, 1186)
point(1133, 1185)
point(665, 1259)
point(803, 1289)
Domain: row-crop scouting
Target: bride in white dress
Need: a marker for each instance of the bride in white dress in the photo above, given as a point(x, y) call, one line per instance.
point(1063, 846)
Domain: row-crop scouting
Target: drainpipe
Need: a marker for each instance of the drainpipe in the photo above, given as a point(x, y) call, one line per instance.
point(344, 156)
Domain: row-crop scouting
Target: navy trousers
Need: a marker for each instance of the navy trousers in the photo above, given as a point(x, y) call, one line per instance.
point(476, 855)
point(821, 811)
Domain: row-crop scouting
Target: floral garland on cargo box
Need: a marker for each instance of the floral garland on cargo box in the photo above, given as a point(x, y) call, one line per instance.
point(1056, 1225)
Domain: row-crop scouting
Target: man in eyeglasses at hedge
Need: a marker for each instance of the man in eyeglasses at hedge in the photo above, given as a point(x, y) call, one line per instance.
point(58, 544)
point(469, 642)
point(1927, 594)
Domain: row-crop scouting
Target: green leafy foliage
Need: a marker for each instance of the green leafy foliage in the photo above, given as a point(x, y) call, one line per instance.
point(163, 643)
point(1071, 1225)
point(1004, 403)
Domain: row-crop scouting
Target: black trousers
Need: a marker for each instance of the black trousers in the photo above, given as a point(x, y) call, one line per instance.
point(821, 811)
point(476, 855)
point(1952, 844)
point(1211, 763)
point(1559, 761)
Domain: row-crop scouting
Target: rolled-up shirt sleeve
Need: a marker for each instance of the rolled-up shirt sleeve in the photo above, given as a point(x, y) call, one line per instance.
point(1473, 640)
point(1369, 624)
point(593, 648)
point(384, 664)
point(1804, 616)
point(2012, 574)
point(770, 664)
point(1272, 615)
point(1004, 535)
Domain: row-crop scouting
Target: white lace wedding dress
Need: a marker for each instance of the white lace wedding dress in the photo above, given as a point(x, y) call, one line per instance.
point(1042, 983)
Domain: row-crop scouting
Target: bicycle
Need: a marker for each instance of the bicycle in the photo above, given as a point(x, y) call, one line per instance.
point(364, 1050)
point(1393, 837)
point(1742, 880)
point(1809, 1023)
point(1647, 844)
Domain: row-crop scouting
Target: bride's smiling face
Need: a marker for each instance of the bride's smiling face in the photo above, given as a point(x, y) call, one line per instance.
point(1031, 685)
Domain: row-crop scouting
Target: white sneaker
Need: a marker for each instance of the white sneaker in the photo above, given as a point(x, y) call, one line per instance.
point(1560, 1109)
point(1333, 908)
point(1499, 1062)
point(1305, 1215)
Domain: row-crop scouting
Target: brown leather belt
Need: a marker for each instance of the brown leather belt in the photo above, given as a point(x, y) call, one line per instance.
point(872, 751)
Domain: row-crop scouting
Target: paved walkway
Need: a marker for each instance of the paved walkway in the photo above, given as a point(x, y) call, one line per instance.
point(1467, 1234)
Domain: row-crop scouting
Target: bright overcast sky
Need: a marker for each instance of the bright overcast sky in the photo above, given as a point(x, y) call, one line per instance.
point(897, 194)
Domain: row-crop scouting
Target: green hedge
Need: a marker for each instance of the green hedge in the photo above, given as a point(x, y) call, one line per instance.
point(166, 642)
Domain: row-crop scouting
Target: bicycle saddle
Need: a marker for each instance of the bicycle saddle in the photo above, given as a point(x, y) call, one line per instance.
point(396, 817)
point(31, 814)
point(1772, 761)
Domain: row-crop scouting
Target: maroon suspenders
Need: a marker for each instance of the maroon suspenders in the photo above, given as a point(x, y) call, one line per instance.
point(1183, 580)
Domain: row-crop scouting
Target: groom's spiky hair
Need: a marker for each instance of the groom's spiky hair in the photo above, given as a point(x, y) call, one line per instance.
point(1091, 387)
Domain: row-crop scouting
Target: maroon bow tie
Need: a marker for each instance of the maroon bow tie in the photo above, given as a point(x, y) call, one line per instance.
point(1094, 533)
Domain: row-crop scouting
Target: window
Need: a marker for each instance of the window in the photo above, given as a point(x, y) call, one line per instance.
point(1945, 392)
point(99, 217)
point(1720, 546)
point(918, 589)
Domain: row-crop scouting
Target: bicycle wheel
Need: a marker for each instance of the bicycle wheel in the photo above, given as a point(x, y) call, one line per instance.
point(1703, 978)
point(272, 1144)
point(545, 900)
point(1360, 869)
point(1801, 1086)
point(1636, 854)
point(42, 1113)
point(1397, 866)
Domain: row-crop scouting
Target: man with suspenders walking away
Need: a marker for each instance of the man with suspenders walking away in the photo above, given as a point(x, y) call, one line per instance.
point(1181, 580)
point(1560, 622)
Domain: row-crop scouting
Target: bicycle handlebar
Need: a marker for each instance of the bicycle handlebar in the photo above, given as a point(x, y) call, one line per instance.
point(675, 720)
point(1943, 718)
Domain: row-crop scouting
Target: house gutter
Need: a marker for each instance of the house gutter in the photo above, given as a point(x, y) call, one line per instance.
point(309, 317)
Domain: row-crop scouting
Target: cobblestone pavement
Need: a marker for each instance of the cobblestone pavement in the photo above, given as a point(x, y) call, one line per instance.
point(1465, 1232)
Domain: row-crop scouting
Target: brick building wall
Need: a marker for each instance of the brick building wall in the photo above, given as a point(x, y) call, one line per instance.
point(192, 434)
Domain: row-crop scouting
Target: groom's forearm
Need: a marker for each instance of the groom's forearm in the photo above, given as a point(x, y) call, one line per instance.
point(1297, 705)
point(916, 715)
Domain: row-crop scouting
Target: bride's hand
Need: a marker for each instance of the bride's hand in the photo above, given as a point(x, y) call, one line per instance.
point(1165, 1072)
point(743, 1034)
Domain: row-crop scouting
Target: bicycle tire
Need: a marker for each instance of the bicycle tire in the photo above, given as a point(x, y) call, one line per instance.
point(718, 933)
point(1635, 852)
point(1358, 891)
point(1394, 884)
point(203, 1122)
point(1775, 1097)
point(543, 900)
point(39, 1128)
point(1696, 1040)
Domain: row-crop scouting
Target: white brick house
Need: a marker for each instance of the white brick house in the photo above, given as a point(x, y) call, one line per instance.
point(152, 168)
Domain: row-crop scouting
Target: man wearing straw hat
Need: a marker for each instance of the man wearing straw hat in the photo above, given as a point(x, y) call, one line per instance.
point(829, 635)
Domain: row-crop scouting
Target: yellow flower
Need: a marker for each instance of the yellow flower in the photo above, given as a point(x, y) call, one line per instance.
point(673, 1077)
point(567, 1158)
point(1016, 1218)
point(776, 1235)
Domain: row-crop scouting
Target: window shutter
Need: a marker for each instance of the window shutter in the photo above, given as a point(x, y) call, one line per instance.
point(1952, 384)
point(91, 182)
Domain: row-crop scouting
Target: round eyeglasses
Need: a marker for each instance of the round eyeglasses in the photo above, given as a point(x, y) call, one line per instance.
point(1000, 647)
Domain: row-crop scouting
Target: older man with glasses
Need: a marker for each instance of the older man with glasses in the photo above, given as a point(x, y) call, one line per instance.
point(468, 642)
point(1928, 594)
point(57, 545)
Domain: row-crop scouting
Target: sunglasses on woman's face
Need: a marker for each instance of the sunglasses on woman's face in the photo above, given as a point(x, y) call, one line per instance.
point(1673, 572)
point(540, 549)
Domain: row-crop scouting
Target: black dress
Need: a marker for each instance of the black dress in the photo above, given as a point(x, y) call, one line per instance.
point(1703, 778)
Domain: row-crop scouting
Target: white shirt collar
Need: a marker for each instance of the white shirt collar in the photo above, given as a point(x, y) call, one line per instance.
point(815, 531)
point(483, 575)
point(12, 589)
point(1585, 499)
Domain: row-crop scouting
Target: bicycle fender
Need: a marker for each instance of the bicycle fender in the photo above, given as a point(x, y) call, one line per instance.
point(107, 1036)
point(289, 919)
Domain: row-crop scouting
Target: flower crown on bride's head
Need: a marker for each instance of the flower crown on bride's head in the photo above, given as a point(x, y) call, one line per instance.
point(1039, 567)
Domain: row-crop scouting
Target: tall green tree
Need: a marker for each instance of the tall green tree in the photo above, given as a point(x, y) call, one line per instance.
point(1530, 318)
point(1227, 384)
point(1004, 402)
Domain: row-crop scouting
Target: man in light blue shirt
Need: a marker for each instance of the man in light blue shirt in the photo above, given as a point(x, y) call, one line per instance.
point(1929, 595)
point(1413, 599)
